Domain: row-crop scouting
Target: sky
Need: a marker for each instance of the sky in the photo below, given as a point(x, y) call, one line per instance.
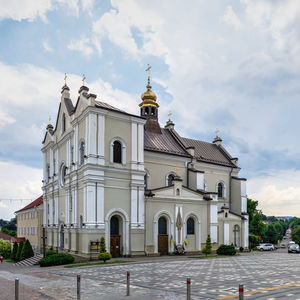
point(231, 65)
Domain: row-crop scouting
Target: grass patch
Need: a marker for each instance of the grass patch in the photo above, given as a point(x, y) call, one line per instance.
point(9, 260)
point(97, 263)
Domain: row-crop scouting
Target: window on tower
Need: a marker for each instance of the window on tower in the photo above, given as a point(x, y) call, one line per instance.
point(82, 152)
point(220, 190)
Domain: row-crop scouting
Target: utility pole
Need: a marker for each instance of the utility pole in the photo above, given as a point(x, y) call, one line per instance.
point(44, 242)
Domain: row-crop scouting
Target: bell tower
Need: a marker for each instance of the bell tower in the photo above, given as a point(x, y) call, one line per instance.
point(149, 107)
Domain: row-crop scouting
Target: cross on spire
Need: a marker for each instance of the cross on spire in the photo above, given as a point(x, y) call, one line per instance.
point(148, 70)
point(170, 115)
point(65, 78)
point(83, 79)
point(217, 132)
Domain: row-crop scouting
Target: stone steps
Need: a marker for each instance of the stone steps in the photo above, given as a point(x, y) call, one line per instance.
point(29, 261)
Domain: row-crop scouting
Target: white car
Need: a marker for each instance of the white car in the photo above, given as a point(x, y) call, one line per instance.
point(265, 247)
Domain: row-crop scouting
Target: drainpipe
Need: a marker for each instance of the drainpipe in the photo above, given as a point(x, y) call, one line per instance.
point(230, 187)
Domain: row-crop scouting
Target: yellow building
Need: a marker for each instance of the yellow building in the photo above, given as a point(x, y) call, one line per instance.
point(29, 223)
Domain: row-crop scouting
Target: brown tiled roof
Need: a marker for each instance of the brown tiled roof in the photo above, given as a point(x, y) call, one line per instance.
point(108, 106)
point(69, 106)
point(208, 152)
point(34, 203)
point(163, 142)
point(5, 236)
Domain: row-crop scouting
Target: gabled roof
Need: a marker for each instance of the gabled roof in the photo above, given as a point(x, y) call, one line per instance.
point(208, 152)
point(33, 204)
point(5, 236)
point(163, 142)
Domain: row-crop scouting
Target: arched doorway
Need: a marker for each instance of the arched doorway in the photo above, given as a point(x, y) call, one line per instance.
point(163, 238)
point(115, 236)
point(191, 234)
point(237, 239)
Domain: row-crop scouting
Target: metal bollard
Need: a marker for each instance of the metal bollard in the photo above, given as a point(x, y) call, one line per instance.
point(128, 284)
point(241, 292)
point(17, 289)
point(78, 287)
point(188, 288)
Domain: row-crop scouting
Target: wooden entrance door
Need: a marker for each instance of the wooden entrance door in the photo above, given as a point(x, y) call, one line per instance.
point(163, 248)
point(115, 245)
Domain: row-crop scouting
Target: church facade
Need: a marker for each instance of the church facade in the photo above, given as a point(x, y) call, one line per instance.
point(145, 188)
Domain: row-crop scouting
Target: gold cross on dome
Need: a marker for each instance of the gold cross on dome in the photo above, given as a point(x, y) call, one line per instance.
point(65, 78)
point(83, 79)
point(148, 69)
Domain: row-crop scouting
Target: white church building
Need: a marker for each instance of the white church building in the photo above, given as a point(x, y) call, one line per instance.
point(145, 188)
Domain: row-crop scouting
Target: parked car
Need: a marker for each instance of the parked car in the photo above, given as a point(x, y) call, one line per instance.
point(282, 246)
point(294, 248)
point(265, 247)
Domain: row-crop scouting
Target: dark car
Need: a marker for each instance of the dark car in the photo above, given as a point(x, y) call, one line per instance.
point(294, 248)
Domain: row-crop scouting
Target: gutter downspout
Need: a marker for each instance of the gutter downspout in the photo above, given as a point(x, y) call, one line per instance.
point(230, 187)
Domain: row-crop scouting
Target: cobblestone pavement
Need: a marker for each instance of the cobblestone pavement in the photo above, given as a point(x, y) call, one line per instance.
point(271, 275)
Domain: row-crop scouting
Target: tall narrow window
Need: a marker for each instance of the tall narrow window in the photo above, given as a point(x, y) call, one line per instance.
point(220, 190)
point(63, 123)
point(162, 225)
point(82, 150)
point(48, 172)
point(117, 152)
point(72, 154)
point(170, 179)
point(190, 226)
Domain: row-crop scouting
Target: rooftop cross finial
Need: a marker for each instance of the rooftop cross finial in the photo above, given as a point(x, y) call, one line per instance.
point(83, 79)
point(65, 78)
point(170, 115)
point(148, 70)
point(49, 119)
point(217, 132)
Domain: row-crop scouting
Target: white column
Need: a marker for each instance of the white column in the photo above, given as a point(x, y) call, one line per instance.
point(67, 207)
point(100, 203)
point(101, 139)
point(51, 161)
point(141, 146)
point(76, 145)
point(91, 203)
point(200, 181)
point(45, 210)
point(246, 232)
point(141, 212)
point(134, 206)
point(134, 146)
point(68, 153)
point(45, 168)
point(214, 220)
point(75, 207)
point(56, 210)
point(226, 234)
point(87, 150)
point(92, 133)
point(50, 215)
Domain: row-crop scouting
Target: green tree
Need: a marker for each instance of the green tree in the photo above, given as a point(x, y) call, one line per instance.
point(296, 234)
point(26, 251)
point(208, 247)
point(103, 255)
point(256, 225)
point(19, 251)
point(14, 252)
point(5, 248)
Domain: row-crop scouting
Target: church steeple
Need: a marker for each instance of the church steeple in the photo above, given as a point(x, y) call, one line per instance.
point(149, 107)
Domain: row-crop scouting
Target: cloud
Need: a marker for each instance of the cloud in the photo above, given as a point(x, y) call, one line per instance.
point(81, 45)
point(26, 185)
point(5, 119)
point(232, 19)
point(32, 9)
point(47, 46)
point(277, 192)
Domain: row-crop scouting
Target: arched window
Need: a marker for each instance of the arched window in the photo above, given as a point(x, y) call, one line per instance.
point(63, 123)
point(162, 225)
point(220, 190)
point(170, 179)
point(114, 225)
point(177, 192)
point(63, 173)
point(117, 152)
point(82, 152)
point(190, 226)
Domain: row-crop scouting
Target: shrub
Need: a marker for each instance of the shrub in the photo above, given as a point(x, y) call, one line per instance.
point(19, 251)
point(241, 249)
point(26, 251)
point(226, 250)
point(5, 248)
point(104, 256)
point(102, 245)
point(14, 252)
point(207, 249)
point(50, 252)
point(56, 259)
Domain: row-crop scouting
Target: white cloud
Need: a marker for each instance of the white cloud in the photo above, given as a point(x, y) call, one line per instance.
point(87, 5)
point(47, 46)
point(17, 181)
point(32, 9)
point(82, 45)
point(232, 19)
point(5, 119)
point(277, 192)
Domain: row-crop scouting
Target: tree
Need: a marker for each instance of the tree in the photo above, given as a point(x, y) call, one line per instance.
point(103, 255)
point(19, 251)
point(208, 247)
point(26, 251)
point(256, 225)
point(5, 248)
point(296, 234)
point(14, 252)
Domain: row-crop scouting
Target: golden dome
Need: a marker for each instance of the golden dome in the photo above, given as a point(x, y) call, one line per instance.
point(148, 97)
